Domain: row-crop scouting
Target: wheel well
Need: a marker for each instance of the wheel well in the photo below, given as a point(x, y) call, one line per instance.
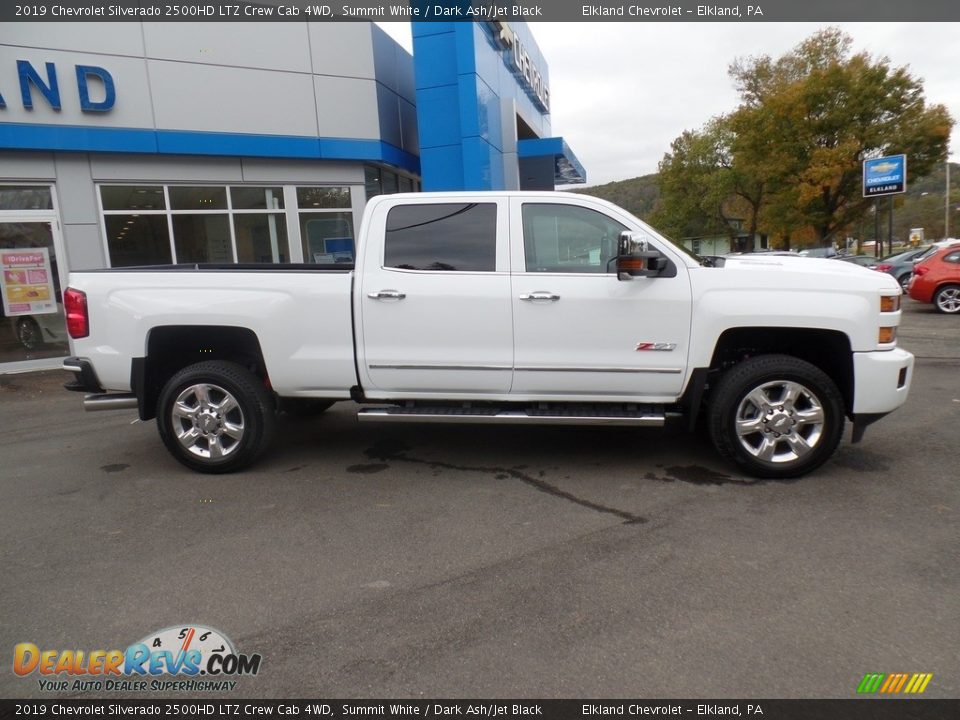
point(829, 350)
point(172, 348)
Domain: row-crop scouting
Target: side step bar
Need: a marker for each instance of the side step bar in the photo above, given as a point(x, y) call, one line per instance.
point(637, 418)
point(109, 401)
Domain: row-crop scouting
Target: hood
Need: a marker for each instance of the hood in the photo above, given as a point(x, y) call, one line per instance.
point(805, 271)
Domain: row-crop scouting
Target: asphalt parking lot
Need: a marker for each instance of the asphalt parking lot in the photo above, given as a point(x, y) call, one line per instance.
point(436, 561)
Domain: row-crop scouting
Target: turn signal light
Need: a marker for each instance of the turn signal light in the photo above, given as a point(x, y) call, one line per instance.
point(75, 307)
point(887, 335)
point(629, 263)
point(889, 303)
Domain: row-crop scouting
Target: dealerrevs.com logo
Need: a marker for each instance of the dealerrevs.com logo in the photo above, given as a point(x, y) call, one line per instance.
point(186, 658)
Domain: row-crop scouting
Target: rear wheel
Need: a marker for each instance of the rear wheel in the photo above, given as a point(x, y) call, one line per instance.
point(216, 417)
point(904, 281)
point(776, 416)
point(947, 299)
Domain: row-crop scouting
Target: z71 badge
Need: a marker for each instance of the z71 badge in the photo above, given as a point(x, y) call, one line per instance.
point(665, 347)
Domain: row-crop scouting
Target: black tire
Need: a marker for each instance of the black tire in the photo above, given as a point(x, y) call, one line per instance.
point(904, 281)
point(776, 416)
point(29, 333)
point(947, 299)
point(216, 417)
point(304, 407)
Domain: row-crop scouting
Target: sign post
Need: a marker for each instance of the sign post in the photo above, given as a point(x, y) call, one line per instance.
point(885, 176)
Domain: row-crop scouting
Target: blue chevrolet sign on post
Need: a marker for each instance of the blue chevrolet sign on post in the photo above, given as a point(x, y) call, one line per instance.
point(885, 176)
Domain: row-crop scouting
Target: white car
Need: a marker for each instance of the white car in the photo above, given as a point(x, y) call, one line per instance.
point(35, 331)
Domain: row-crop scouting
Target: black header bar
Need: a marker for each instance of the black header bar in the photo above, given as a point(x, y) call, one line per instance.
point(481, 10)
point(491, 709)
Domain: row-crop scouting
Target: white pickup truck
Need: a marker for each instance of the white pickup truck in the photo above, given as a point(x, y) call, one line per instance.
point(504, 307)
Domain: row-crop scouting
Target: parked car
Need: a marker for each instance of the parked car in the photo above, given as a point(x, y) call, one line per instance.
point(900, 264)
point(931, 249)
point(34, 331)
point(821, 252)
point(936, 279)
point(867, 261)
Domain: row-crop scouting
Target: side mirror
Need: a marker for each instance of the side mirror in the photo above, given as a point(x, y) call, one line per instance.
point(635, 258)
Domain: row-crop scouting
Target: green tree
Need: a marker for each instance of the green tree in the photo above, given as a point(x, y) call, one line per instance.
point(702, 189)
point(809, 119)
point(789, 158)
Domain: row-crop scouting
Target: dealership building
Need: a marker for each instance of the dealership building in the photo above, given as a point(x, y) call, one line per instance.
point(149, 143)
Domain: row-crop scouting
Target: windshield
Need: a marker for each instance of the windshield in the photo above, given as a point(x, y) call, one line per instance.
point(708, 261)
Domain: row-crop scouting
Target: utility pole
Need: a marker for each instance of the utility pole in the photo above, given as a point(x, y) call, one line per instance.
point(889, 229)
point(876, 227)
point(946, 204)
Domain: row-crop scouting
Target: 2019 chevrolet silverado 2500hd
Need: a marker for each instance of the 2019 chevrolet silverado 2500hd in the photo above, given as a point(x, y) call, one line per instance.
point(498, 307)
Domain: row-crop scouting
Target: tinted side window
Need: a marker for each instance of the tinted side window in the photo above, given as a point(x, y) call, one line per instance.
point(444, 237)
point(953, 257)
point(565, 238)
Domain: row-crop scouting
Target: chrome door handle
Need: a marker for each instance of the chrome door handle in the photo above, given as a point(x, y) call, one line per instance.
point(386, 295)
point(540, 295)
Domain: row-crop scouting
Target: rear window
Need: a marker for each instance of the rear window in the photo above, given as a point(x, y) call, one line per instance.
point(443, 237)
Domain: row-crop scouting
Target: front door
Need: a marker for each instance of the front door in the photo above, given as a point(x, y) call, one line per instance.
point(434, 301)
point(579, 332)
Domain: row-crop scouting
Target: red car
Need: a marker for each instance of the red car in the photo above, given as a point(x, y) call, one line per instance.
point(936, 279)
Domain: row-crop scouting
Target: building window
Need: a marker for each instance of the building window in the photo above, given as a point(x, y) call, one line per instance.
point(138, 240)
point(206, 223)
point(25, 197)
point(380, 181)
point(259, 224)
point(443, 237)
point(371, 182)
point(326, 224)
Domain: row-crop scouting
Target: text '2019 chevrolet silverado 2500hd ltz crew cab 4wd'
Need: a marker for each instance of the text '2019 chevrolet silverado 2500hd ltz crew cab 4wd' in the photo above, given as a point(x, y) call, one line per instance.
point(498, 308)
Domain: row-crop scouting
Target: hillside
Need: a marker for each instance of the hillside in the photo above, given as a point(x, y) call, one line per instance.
point(638, 195)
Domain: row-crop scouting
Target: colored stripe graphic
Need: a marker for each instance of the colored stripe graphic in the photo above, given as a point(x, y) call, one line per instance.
point(897, 682)
point(870, 683)
point(918, 683)
point(894, 683)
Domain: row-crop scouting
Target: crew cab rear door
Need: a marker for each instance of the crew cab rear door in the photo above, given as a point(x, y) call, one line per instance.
point(434, 305)
point(579, 332)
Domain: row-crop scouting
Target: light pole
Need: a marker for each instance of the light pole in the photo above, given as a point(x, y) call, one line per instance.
point(946, 204)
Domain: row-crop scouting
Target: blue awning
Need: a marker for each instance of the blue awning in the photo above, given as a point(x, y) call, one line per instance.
point(567, 168)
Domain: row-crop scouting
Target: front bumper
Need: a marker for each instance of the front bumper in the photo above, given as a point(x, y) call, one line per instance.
point(881, 385)
point(881, 380)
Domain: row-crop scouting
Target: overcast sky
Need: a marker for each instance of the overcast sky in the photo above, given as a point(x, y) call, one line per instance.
point(621, 92)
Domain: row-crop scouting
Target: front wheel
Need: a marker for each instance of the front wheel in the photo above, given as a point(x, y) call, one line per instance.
point(776, 416)
point(947, 299)
point(216, 416)
point(29, 333)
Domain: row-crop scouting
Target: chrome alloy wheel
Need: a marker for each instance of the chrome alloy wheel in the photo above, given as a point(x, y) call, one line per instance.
point(948, 299)
point(207, 421)
point(780, 421)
